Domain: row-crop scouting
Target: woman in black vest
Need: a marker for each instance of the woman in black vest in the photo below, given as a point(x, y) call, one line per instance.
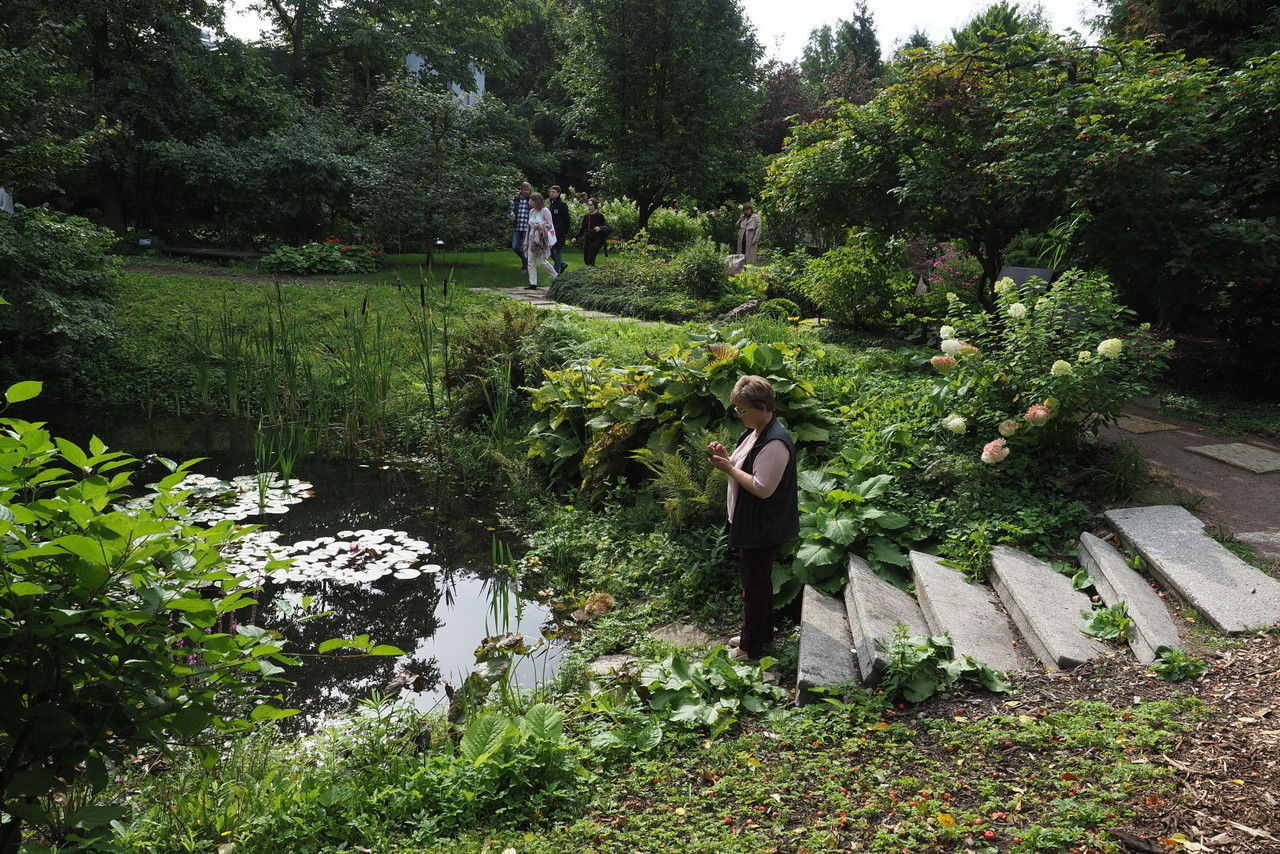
point(763, 503)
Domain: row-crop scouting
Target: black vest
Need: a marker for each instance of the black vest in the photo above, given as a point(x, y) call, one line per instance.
point(772, 521)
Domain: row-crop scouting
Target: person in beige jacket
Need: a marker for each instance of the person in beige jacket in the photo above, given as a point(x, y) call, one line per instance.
point(749, 234)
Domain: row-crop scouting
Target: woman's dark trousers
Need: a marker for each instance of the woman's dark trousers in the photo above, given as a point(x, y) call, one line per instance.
point(590, 249)
point(755, 569)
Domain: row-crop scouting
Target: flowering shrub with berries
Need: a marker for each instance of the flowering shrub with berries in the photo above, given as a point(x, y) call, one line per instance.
point(334, 255)
point(1049, 366)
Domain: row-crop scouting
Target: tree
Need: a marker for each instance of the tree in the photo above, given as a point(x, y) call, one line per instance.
point(835, 56)
point(440, 169)
point(1225, 31)
point(784, 98)
point(664, 88)
point(998, 22)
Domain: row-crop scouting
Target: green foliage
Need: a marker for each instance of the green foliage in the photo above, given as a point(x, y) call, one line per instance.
point(701, 271)
point(858, 286)
point(839, 516)
point(593, 415)
point(1110, 623)
point(114, 624)
point(920, 667)
point(673, 229)
point(712, 693)
point(663, 88)
point(1175, 665)
point(332, 256)
point(780, 308)
point(55, 273)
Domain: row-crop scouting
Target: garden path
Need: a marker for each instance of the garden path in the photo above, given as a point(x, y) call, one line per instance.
point(1238, 500)
point(539, 299)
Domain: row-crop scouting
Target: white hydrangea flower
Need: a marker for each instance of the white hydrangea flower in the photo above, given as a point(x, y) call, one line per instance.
point(1084, 356)
point(955, 423)
point(1110, 348)
point(1061, 368)
point(947, 332)
point(1017, 311)
point(1003, 285)
point(951, 346)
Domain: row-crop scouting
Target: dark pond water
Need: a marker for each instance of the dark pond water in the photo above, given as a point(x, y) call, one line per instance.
point(438, 619)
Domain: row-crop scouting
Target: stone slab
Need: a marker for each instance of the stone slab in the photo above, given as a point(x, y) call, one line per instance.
point(1242, 456)
point(682, 634)
point(1138, 424)
point(1230, 593)
point(967, 612)
point(1154, 629)
point(826, 647)
point(876, 608)
point(606, 664)
point(1045, 608)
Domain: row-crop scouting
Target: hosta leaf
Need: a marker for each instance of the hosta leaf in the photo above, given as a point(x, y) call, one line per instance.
point(544, 722)
point(484, 735)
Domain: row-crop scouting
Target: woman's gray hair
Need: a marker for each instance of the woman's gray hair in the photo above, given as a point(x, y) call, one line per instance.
point(753, 391)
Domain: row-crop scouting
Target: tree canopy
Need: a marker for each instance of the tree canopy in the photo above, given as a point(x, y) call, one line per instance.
point(664, 88)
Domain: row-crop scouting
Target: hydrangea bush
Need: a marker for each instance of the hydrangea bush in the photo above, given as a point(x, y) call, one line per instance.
point(1047, 368)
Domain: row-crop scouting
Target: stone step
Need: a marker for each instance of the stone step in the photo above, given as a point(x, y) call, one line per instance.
point(1232, 595)
point(1154, 629)
point(826, 648)
point(1045, 607)
point(875, 609)
point(967, 612)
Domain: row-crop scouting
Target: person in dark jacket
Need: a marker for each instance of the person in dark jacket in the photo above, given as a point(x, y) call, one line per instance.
point(763, 503)
point(593, 233)
point(560, 221)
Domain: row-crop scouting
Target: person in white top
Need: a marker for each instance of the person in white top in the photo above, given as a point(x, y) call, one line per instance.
point(539, 239)
point(763, 506)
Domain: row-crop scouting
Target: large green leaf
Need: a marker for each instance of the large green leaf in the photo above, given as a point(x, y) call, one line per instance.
point(544, 722)
point(842, 530)
point(484, 736)
point(19, 392)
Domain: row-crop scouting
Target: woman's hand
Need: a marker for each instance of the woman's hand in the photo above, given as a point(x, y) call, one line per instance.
point(723, 463)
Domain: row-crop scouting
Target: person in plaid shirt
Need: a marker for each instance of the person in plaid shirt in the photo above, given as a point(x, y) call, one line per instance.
point(518, 213)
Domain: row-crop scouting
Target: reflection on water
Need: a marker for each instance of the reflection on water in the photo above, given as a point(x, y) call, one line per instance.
point(438, 619)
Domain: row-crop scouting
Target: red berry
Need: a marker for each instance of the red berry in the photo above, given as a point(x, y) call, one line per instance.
point(988, 834)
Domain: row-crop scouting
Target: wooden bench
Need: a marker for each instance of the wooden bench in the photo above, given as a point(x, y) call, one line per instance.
point(222, 256)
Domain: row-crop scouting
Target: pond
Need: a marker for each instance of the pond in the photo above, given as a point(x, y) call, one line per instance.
point(437, 603)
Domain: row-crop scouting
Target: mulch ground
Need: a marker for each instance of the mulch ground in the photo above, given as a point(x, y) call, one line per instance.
point(1227, 766)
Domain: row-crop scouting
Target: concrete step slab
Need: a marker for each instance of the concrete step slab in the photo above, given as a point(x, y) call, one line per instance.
point(826, 648)
point(876, 608)
point(1045, 607)
point(967, 612)
point(1154, 629)
point(1231, 594)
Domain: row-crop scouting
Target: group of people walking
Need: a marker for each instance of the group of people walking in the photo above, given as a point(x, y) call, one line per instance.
point(541, 225)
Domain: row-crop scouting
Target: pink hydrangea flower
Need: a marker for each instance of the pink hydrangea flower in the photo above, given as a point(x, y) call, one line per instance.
point(1037, 414)
point(1008, 427)
point(995, 451)
point(943, 363)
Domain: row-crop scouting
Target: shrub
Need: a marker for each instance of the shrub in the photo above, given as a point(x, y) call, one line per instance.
point(623, 217)
point(109, 625)
point(55, 272)
point(780, 308)
point(857, 286)
point(672, 229)
point(332, 256)
point(700, 270)
point(1046, 368)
